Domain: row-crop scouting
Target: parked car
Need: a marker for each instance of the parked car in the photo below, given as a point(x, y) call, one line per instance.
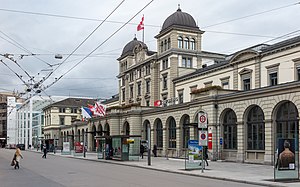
point(21, 146)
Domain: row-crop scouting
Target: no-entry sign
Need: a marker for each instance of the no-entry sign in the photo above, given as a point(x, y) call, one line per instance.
point(202, 120)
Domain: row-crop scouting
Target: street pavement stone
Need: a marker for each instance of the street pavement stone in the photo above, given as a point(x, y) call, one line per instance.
point(230, 171)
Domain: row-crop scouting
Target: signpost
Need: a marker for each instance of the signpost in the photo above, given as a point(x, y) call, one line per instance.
point(202, 128)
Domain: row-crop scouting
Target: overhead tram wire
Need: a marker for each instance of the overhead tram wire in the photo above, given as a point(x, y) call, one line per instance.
point(82, 42)
point(251, 15)
point(23, 48)
point(68, 17)
point(99, 45)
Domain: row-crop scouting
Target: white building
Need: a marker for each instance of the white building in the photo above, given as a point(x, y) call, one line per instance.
point(30, 120)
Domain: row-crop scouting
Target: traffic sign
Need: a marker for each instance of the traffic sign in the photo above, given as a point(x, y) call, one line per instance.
point(203, 138)
point(202, 120)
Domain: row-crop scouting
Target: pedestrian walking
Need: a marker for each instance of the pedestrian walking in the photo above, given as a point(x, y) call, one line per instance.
point(142, 149)
point(154, 150)
point(44, 151)
point(17, 157)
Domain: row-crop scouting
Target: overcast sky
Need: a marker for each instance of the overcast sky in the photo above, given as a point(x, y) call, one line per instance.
point(50, 27)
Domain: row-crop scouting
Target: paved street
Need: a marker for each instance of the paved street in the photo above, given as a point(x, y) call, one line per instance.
point(58, 170)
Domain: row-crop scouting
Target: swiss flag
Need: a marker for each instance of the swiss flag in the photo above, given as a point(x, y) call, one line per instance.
point(141, 25)
point(157, 103)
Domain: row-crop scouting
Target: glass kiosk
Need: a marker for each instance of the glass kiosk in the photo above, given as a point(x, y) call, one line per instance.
point(118, 147)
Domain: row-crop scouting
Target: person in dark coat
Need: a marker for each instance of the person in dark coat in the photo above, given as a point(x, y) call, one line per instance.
point(154, 150)
point(205, 155)
point(142, 151)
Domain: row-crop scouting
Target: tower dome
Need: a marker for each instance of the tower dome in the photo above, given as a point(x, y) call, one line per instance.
point(180, 19)
point(129, 47)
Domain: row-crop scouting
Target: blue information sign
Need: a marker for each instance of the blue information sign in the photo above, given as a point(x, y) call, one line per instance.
point(221, 141)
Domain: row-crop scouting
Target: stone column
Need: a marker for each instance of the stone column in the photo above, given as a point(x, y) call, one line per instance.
point(269, 142)
point(240, 141)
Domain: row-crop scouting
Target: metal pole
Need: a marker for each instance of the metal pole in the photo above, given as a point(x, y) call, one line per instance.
point(149, 145)
point(84, 144)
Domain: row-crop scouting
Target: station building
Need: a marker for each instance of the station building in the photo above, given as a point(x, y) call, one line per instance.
point(251, 97)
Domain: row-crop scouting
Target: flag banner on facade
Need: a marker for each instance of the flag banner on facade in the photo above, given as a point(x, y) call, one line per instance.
point(86, 112)
point(99, 109)
point(92, 108)
point(141, 25)
point(158, 103)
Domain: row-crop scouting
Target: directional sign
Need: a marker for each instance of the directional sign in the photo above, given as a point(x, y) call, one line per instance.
point(202, 120)
point(203, 138)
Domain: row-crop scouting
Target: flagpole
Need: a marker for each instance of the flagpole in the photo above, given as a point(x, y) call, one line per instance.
point(143, 30)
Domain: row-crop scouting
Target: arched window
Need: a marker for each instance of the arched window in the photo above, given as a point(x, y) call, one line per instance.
point(230, 130)
point(287, 121)
point(146, 125)
point(186, 43)
point(126, 128)
point(185, 131)
point(162, 46)
point(159, 134)
point(180, 42)
point(192, 44)
point(172, 133)
point(169, 43)
point(255, 129)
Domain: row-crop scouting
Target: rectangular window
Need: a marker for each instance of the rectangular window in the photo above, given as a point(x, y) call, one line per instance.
point(165, 82)
point(180, 97)
point(165, 64)
point(183, 62)
point(123, 94)
point(131, 91)
point(139, 88)
point(187, 62)
point(74, 110)
point(123, 81)
point(148, 86)
point(273, 79)
point(61, 120)
point(225, 85)
point(298, 73)
point(131, 77)
point(246, 84)
point(148, 69)
point(62, 110)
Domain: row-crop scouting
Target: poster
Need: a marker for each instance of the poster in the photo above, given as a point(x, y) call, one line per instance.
point(286, 154)
point(78, 147)
point(194, 155)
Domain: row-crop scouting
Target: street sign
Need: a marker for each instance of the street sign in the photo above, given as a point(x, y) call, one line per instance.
point(221, 141)
point(203, 138)
point(202, 120)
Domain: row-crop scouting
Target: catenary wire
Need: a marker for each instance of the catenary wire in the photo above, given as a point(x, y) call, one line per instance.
point(83, 41)
point(100, 45)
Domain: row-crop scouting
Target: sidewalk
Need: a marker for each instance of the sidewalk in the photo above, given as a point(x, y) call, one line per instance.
point(230, 171)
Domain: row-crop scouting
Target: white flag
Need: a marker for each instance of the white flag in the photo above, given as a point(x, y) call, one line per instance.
point(99, 109)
